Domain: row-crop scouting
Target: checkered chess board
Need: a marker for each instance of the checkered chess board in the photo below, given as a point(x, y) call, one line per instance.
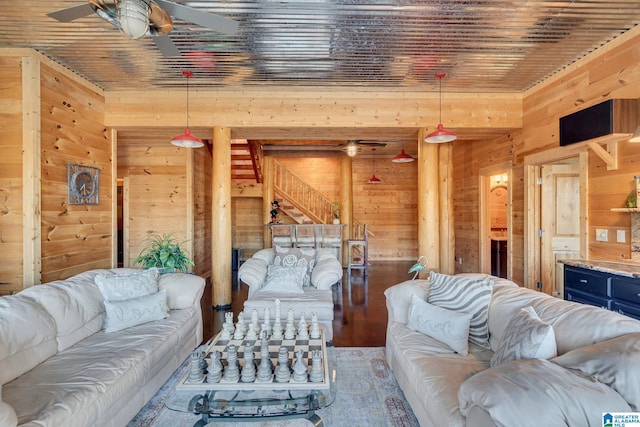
point(307, 346)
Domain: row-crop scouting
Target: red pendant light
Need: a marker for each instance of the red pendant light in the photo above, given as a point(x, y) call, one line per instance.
point(187, 140)
point(402, 157)
point(373, 179)
point(441, 134)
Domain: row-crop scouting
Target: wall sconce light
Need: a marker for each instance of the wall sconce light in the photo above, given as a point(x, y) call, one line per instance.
point(352, 148)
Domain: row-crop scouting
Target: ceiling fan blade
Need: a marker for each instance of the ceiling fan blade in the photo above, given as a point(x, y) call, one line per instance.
point(71, 13)
point(372, 144)
point(204, 19)
point(166, 46)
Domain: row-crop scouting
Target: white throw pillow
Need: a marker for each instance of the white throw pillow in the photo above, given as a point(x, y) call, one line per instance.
point(448, 327)
point(526, 337)
point(135, 311)
point(297, 257)
point(285, 279)
point(466, 294)
point(119, 287)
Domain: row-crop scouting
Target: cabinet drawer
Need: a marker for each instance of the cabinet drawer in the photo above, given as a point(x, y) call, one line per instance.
point(587, 281)
point(625, 289)
point(586, 298)
point(626, 309)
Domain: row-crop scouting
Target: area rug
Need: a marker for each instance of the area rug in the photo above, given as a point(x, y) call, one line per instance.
point(368, 396)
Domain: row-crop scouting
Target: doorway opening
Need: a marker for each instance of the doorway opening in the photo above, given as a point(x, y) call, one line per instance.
point(555, 217)
point(495, 220)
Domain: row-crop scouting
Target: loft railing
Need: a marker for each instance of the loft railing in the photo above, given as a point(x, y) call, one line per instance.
point(303, 196)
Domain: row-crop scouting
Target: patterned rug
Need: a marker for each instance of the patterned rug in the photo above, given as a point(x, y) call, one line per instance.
point(368, 396)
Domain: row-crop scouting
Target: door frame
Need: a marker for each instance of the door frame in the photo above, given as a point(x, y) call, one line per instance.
point(484, 236)
point(532, 200)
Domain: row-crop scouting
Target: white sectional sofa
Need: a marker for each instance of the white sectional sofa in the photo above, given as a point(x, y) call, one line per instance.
point(58, 366)
point(564, 366)
point(301, 278)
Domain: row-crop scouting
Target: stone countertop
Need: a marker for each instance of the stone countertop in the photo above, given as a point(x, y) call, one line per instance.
point(628, 269)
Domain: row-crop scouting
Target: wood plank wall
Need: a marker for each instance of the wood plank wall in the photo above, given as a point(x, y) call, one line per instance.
point(11, 277)
point(609, 73)
point(158, 193)
point(75, 238)
point(202, 227)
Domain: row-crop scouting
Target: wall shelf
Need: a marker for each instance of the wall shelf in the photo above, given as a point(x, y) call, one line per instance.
point(625, 209)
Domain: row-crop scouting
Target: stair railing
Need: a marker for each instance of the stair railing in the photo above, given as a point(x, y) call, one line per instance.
point(303, 196)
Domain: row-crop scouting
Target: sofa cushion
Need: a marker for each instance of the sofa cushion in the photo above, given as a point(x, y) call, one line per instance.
point(614, 362)
point(123, 314)
point(27, 336)
point(118, 287)
point(399, 298)
point(285, 279)
point(567, 318)
point(327, 272)
point(183, 290)
point(448, 327)
point(526, 337)
point(467, 294)
point(537, 392)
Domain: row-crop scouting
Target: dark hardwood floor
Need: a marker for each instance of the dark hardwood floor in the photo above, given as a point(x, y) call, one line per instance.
point(360, 313)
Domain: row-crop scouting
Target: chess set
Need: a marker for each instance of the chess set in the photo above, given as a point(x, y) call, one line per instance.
point(249, 355)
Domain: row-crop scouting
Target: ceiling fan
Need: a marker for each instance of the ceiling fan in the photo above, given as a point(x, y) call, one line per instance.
point(137, 18)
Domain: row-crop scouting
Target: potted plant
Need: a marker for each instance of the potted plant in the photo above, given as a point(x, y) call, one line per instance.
point(164, 252)
point(335, 209)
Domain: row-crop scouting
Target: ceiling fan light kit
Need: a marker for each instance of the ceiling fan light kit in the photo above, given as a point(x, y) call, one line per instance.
point(440, 135)
point(133, 16)
point(187, 140)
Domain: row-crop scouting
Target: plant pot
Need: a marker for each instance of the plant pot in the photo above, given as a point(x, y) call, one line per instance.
point(336, 221)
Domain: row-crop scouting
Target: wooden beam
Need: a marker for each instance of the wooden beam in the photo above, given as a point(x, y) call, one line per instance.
point(428, 210)
point(609, 156)
point(221, 218)
point(31, 175)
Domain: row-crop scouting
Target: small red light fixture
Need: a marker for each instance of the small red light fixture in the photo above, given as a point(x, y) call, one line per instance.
point(186, 140)
point(441, 134)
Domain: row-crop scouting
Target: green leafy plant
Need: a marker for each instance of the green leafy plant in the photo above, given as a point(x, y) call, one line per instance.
point(335, 209)
point(164, 251)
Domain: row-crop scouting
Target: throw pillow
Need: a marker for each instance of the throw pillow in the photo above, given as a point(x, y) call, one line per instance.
point(466, 294)
point(448, 327)
point(119, 287)
point(526, 337)
point(135, 311)
point(297, 257)
point(285, 279)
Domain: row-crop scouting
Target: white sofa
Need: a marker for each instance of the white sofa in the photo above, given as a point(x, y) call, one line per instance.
point(273, 274)
point(596, 370)
point(59, 368)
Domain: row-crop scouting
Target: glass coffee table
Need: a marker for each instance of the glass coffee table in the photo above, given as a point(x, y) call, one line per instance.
point(237, 400)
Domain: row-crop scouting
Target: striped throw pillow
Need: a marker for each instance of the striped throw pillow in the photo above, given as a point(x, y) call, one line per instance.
point(469, 295)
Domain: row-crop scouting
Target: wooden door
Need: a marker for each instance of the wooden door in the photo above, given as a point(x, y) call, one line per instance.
point(560, 221)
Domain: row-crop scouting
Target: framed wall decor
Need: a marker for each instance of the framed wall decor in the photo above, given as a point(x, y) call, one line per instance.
point(82, 182)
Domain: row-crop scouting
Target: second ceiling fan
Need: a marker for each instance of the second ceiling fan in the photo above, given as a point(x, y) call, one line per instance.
point(138, 18)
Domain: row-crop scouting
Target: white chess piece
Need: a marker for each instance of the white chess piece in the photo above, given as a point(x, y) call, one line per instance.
point(303, 333)
point(254, 319)
point(315, 328)
point(251, 333)
point(277, 314)
point(214, 372)
point(228, 318)
point(300, 368)
point(267, 321)
point(316, 375)
point(225, 334)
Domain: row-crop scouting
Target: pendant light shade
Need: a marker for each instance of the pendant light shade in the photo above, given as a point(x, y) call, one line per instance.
point(134, 17)
point(373, 179)
point(441, 134)
point(186, 140)
point(402, 157)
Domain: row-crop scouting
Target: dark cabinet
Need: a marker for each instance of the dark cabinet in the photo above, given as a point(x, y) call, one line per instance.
point(602, 289)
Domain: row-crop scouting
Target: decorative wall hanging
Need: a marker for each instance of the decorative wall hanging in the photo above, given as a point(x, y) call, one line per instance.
point(82, 184)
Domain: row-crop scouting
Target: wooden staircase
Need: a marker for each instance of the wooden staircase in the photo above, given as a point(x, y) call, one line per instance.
point(245, 161)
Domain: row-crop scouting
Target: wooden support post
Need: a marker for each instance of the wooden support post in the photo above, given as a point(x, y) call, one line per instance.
point(428, 210)
point(268, 194)
point(31, 157)
point(447, 237)
point(346, 204)
point(221, 218)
